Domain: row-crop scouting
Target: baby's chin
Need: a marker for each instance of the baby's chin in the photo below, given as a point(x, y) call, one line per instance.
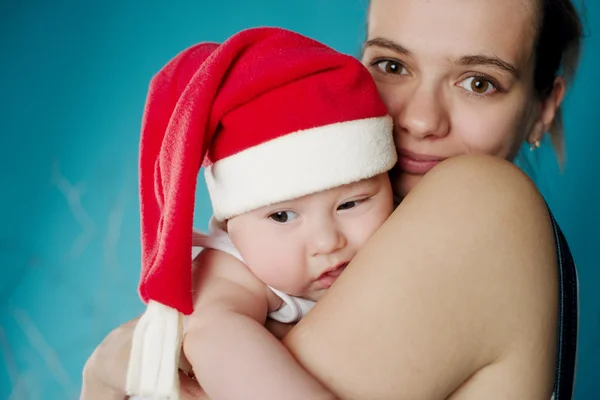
point(315, 295)
point(309, 293)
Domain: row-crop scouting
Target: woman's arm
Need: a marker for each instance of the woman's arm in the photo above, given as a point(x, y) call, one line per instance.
point(231, 352)
point(454, 297)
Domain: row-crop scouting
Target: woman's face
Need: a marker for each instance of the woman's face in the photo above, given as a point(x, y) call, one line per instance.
point(457, 77)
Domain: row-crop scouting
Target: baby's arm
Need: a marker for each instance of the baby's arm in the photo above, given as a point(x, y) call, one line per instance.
point(232, 353)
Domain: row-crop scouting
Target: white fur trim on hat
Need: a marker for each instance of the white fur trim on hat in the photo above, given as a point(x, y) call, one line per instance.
point(300, 163)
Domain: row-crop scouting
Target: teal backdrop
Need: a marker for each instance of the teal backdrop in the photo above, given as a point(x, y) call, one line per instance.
point(73, 79)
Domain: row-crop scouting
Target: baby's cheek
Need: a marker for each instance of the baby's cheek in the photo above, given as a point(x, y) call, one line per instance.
point(364, 231)
point(278, 267)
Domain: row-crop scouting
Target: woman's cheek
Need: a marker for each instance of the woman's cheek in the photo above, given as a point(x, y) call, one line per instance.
point(490, 132)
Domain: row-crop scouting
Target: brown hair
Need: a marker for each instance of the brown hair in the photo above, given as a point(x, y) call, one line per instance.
point(557, 50)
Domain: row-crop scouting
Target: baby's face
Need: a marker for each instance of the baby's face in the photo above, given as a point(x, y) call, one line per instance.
point(301, 246)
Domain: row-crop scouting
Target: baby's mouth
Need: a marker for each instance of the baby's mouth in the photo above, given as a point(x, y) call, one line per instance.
point(330, 276)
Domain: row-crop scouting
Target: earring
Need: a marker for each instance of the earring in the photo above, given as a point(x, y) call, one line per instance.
point(535, 145)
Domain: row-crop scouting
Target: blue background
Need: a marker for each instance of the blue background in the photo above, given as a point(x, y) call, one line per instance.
point(73, 79)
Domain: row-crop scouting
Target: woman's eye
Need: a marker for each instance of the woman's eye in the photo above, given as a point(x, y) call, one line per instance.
point(478, 85)
point(348, 205)
point(391, 67)
point(283, 216)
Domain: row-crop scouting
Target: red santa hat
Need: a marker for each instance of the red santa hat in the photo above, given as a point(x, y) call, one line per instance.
point(272, 115)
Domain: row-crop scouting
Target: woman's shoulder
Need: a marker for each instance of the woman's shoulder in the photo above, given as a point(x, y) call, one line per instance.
point(485, 176)
point(478, 231)
point(488, 199)
point(502, 192)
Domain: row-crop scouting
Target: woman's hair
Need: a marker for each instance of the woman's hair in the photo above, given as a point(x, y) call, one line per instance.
point(557, 48)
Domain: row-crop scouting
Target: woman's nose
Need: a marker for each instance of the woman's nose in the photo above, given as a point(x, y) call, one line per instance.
point(423, 114)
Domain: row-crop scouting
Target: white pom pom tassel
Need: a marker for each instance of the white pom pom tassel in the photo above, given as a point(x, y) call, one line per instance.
point(155, 350)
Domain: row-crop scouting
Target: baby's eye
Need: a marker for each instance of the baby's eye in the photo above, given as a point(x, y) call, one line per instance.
point(391, 67)
point(283, 216)
point(348, 205)
point(478, 85)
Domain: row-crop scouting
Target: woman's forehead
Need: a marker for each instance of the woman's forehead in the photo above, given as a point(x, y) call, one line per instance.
point(455, 28)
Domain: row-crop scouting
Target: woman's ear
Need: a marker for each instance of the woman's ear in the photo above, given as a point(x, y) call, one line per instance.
point(548, 110)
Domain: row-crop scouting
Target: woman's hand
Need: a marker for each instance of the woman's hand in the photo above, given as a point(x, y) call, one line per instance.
point(105, 372)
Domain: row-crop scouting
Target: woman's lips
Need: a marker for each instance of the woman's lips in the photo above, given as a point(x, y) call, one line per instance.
point(417, 164)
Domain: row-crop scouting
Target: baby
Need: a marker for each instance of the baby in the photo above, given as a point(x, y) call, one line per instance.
point(296, 144)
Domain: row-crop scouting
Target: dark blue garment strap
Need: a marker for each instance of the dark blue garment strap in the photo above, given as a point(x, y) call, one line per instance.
point(568, 317)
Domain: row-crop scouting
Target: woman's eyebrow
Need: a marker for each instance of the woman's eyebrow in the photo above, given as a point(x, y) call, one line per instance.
point(470, 60)
point(387, 44)
point(479, 59)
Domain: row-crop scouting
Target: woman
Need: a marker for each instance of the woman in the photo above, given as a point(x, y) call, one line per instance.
point(456, 295)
